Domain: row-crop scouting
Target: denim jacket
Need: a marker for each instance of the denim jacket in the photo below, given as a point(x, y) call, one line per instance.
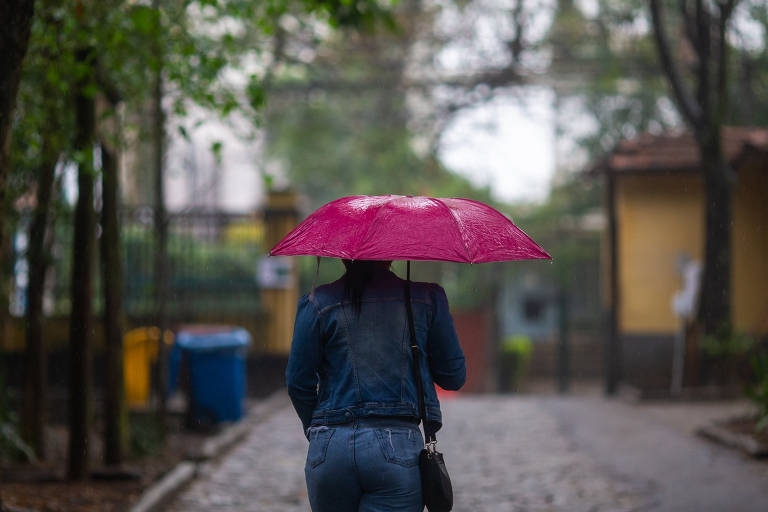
point(345, 365)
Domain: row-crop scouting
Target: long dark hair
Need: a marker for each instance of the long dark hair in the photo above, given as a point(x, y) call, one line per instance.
point(359, 274)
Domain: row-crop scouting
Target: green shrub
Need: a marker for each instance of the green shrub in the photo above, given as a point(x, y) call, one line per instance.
point(727, 344)
point(517, 348)
point(145, 434)
point(727, 351)
point(758, 389)
point(520, 344)
point(12, 446)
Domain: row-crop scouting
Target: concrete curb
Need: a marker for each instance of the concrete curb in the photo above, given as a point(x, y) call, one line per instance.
point(161, 491)
point(703, 394)
point(236, 432)
point(726, 437)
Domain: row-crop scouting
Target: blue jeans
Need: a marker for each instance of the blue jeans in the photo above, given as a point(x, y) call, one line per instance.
point(365, 466)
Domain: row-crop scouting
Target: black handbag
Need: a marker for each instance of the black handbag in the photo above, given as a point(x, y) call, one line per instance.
point(436, 489)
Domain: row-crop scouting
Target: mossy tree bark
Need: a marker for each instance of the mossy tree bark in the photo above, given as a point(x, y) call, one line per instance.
point(705, 25)
point(35, 367)
point(80, 321)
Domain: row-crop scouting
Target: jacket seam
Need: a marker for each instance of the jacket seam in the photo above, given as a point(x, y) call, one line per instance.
point(325, 309)
point(351, 352)
point(404, 363)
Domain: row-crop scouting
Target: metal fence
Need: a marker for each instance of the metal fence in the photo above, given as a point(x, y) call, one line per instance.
point(212, 262)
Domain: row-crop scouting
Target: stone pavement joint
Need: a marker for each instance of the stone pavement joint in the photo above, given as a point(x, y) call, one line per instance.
point(264, 473)
point(503, 453)
point(212, 448)
point(159, 492)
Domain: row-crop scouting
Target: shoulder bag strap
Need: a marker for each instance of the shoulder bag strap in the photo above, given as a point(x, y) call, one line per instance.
point(429, 434)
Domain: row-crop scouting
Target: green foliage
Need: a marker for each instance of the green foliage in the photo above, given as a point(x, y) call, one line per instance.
point(333, 148)
point(607, 63)
point(144, 19)
point(146, 434)
point(330, 270)
point(222, 270)
point(727, 344)
point(256, 92)
point(519, 344)
point(43, 124)
point(612, 72)
point(749, 70)
point(339, 154)
point(202, 271)
point(354, 136)
point(12, 446)
point(191, 42)
point(516, 352)
point(557, 224)
point(758, 389)
point(216, 150)
point(468, 287)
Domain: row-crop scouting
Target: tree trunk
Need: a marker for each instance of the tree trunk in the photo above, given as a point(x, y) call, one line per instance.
point(115, 419)
point(715, 302)
point(706, 31)
point(82, 286)
point(33, 411)
point(613, 354)
point(161, 243)
point(14, 39)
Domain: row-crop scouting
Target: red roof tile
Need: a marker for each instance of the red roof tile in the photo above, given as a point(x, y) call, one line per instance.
point(677, 152)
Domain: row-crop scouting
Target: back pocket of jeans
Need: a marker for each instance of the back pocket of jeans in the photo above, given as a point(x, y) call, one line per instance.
point(400, 445)
point(319, 437)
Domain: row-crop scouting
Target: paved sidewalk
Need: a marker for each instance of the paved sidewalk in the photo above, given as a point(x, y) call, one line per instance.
point(511, 453)
point(265, 473)
point(653, 445)
point(507, 454)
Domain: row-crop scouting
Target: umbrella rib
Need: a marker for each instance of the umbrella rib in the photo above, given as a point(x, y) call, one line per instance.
point(513, 243)
point(365, 238)
point(458, 227)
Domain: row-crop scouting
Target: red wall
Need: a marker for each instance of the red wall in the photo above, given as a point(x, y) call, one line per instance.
point(474, 330)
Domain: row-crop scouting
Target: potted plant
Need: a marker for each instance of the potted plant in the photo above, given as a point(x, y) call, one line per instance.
point(515, 353)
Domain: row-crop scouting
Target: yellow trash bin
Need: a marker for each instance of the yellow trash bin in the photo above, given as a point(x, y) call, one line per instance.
point(139, 353)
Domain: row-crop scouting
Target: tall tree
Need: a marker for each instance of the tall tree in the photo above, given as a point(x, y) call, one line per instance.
point(80, 320)
point(35, 367)
point(41, 134)
point(121, 36)
point(115, 414)
point(160, 214)
point(14, 39)
point(704, 109)
point(749, 70)
point(366, 130)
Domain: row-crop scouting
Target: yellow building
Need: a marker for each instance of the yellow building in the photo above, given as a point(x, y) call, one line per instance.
point(655, 203)
point(279, 275)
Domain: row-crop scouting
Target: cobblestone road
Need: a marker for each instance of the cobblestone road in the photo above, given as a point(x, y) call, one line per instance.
point(265, 473)
point(511, 454)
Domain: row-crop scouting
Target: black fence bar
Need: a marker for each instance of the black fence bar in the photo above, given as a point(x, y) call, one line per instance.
point(213, 258)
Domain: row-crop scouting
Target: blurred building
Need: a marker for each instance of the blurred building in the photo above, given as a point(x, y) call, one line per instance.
point(655, 208)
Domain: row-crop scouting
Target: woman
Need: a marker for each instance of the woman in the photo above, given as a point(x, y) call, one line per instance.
point(350, 378)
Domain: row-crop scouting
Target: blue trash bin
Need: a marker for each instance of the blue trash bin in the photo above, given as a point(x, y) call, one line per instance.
point(174, 368)
point(216, 362)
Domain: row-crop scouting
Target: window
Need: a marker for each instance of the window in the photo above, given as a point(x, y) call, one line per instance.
point(533, 309)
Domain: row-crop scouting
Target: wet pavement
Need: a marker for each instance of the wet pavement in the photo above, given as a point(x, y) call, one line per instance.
point(511, 453)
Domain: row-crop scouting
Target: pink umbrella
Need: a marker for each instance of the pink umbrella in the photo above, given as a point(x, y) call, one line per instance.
point(409, 228)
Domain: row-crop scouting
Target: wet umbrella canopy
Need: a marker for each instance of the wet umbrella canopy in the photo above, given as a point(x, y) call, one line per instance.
point(409, 228)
